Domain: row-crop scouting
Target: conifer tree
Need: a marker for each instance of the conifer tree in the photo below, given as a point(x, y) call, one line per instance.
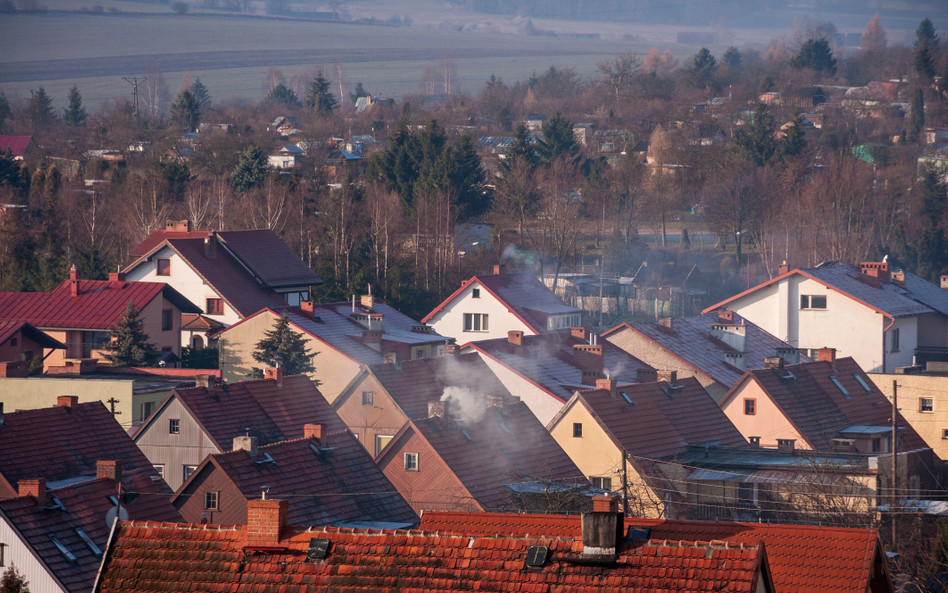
point(250, 170)
point(283, 95)
point(4, 110)
point(924, 60)
point(285, 346)
point(320, 99)
point(757, 141)
point(732, 57)
point(558, 139)
point(75, 114)
point(203, 96)
point(40, 109)
point(815, 54)
point(794, 142)
point(358, 92)
point(13, 582)
point(917, 119)
point(466, 176)
point(129, 346)
point(186, 111)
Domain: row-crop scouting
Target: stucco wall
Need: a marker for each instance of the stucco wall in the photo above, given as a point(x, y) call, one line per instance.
point(768, 423)
point(450, 321)
point(543, 405)
point(382, 417)
point(929, 425)
point(41, 392)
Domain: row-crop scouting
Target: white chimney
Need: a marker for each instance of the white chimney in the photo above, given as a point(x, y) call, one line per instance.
point(733, 335)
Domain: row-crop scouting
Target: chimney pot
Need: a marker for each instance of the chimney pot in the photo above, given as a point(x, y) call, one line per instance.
point(773, 362)
point(944, 281)
point(578, 331)
point(515, 336)
point(111, 469)
point(312, 430)
point(205, 381)
point(607, 385)
point(274, 375)
point(666, 325)
point(436, 409)
point(827, 355)
point(783, 269)
point(646, 376)
point(117, 276)
point(500, 269)
point(35, 487)
point(607, 503)
point(74, 281)
point(670, 377)
point(726, 316)
point(67, 401)
point(246, 443)
point(785, 445)
point(495, 401)
point(754, 441)
point(266, 519)
point(603, 528)
point(308, 307)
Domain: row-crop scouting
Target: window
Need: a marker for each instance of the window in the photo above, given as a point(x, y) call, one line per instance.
point(367, 398)
point(862, 382)
point(211, 500)
point(876, 445)
point(1, 554)
point(162, 267)
point(214, 306)
point(166, 323)
point(13, 341)
point(147, 408)
point(65, 551)
point(839, 386)
point(601, 483)
point(411, 462)
point(750, 407)
point(475, 322)
point(418, 353)
point(476, 293)
point(895, 340)
point(94, 341)
point(944, 433)
point(816, 301)
point(926, 404)
point(577, 430)
point(380, 441)
point(160, 470)
point(89, 543)
point(188, 470)
point(173, 426)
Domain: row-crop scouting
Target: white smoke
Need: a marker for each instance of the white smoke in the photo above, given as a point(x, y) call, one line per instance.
point(463, 403)
point(511, 252)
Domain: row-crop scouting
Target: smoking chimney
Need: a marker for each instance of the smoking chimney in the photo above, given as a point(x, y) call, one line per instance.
point(500, 269)
point(210, 246)
point(607, 385)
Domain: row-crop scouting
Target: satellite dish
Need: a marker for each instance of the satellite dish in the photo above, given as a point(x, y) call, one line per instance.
point(110, 516)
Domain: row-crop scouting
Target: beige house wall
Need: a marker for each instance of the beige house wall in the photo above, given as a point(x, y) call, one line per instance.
point(931, 426)
point(769, 422)
point(367, 421)
point(334, 370)
point(655, 356)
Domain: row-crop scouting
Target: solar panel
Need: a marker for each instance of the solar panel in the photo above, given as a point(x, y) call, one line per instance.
point(536, 555)
point(318, 547)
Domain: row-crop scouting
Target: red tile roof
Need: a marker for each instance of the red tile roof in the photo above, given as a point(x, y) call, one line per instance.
point(8, 329)
point(819, 409)
point(658, 424)
point(338, 485)
point(99, 304)
point(547, 361)
point(802, 558)
point(691, 341)
point(525, 296)
point(17, 145)
point(62, 443)
point(85, 507)
point(197, 322)
point(153, 557)
point(505, 447)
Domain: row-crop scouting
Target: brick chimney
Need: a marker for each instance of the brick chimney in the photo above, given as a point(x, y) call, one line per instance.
point(117, 277)
point(246, 443)
point(74, 281)
point(67, 401)
point(783, 268)
point(827, 355)
point(496, 401)
point(666, 325)
point(178, 226)
point(308, 307)
point(646, 375)
point(372, 339)
point(265, 520)
point(607, 385)
point(111, 469)
point(312, 430)
point(205, 381)
point(670, 377)
point(590, 361)
point(437, 409)
point(33, 487)
point(210, 246)
point(367, 301)
point(725, 316)
point(944, 281)
point(274, 375)
point(15, 368)
point(451, 349)
point(603, 529)
point(515, 336)
point(607, 503)
point(785, 445)
point(500, 269)
point(773, 362)
point(578, 331)
point(898, 278)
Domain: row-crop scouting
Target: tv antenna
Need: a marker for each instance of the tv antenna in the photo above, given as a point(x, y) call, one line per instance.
point(134, 82)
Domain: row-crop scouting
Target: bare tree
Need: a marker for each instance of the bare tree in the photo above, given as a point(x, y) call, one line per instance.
point(198, 198)
point(560, 220)
point(268, 206)
point(383, 213)
point(429, 80)
point(448, 73)
point(617, 72)
point(663, 195)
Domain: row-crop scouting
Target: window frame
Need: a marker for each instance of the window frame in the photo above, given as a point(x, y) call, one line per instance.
point(475, 293)
point(577, 430)
point(601, 482)
point(160, 468)
point(922, 406)
point(414, 466)
point(378, 441)
point(894, 341)
point(476, 322)
point(146, 406)
point(750, 406)
point(944, 434)
point(216, 500)
point(370, 400)
point(185, 471)
point(807, 304)
point(158, 267)
point(167, 320)
point(174, 426)
point(218, 310)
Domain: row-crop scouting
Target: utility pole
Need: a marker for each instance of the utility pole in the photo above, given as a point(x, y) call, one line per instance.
point(625, 485)
point(895, 453)
point(112, 401)
point(134, 82)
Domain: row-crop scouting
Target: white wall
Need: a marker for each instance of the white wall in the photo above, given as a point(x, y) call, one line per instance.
point(543, 405)
point(16, 552)
point(449, 321)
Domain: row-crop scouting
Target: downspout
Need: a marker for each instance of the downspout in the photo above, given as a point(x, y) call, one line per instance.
point(884, 330)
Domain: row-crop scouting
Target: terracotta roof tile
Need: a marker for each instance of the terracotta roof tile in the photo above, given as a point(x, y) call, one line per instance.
point(199, 322)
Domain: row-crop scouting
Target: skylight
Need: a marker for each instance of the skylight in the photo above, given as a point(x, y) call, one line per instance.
point(467, 436)
point(840, 385)
point(504, 427)
point(862, 382)
point(626, 397)
point(69, 555)
point(266, 459)
point(57, 505)
point(95, 549)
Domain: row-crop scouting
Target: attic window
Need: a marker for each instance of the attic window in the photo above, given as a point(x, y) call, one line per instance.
point(88, 540)
point(411, 462)
point(536, 555)
point(57, 505)
point(315, 450)
point(318, 547)
point(789, 375)
point(162, 267)
point(840, 386)
point(505, 428)
point(114, 500)
point(862, 382)
point(467, 436)
point(577, 430)
point(69, 555)
point(476, 293)
point(626, 397)
point(266, 459)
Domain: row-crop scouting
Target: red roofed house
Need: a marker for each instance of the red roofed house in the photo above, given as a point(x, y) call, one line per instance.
point(715, 348)
point(342, 336)
point(383, 397)
point(20, 147)
point(801, 558)
point(204, 420)
point(880, 317)
point(20, 343)
point(82, 313)
point(481, 456)
point(230, 275)
point(145, 557)
point(487, 307)
point(329, 479)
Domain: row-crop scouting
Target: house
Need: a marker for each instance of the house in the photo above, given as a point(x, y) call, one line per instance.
point(56, 536)
point(487, 307)
point(617, 433)
point(329, 479)
point(286, 156)
point(82, 313)
point(545, 370)
point(361, 145)
point(191, 424)
point(285, 125)
point(342, 336)
point(368, 103)
point(923, 403)
point(64, 445)
point(338, 163)
point(383, 397)
point(328, 558)
point(801, 557)
point(876, 315)
point(20, 343)
point(715, 348)
point(819, 405)
point(230, 274)
point(481, 456)
point(20, 147)
point(611, 142)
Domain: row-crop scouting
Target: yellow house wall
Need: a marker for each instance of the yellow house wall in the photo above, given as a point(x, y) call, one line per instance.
point(929, 425)
point(382, 417)
point(41, 392)
point(769, 423)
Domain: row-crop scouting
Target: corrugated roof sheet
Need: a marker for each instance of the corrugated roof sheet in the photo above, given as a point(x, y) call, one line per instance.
point(8, 329)
point(270, 258)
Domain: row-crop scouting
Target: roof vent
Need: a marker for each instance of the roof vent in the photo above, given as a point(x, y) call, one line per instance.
point(266, 459)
